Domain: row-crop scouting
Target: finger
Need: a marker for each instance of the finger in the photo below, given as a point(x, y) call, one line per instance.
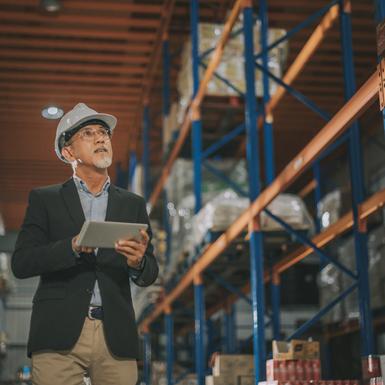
point(128, 242)
point(128, 250)
point(134, 248)
point(145, 235)
point(135, 245)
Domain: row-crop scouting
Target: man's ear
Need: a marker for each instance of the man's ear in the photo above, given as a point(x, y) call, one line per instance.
point(68, 154)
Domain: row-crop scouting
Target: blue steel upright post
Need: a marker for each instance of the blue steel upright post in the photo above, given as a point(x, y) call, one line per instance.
point(197, 158)
point(317, 191)
point(199, 308)
point(147, 357)
point(196, 120)
point(169, 326)
point(146, 151)
point(256, 239)
point(230, 329)
point(166, 112)
point(268, 140)
point(357, 182)
point(132, 170)
point(268, 136)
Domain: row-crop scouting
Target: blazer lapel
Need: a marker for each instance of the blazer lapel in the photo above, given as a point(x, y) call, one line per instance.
point(72, 200)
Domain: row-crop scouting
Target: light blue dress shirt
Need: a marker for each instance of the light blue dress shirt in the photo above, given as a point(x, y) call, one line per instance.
point(94, 209)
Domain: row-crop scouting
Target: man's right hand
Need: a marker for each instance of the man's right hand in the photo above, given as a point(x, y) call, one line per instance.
point(80, 249)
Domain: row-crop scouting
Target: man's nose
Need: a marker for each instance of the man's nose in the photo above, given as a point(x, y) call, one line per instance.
point(99, 137)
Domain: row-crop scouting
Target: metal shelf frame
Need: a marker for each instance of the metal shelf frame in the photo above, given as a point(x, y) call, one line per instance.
point(339, 128)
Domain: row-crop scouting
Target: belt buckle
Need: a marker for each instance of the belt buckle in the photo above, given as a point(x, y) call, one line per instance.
point(89, 312)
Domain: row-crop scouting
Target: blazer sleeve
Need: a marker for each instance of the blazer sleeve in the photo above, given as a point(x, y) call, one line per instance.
point(34, 254)
point(149, 272)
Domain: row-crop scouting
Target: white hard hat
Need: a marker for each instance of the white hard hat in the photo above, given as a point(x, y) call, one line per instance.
point(76, 118)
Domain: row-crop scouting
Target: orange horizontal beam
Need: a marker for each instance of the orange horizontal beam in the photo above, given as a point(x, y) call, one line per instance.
point(85, 19)
point(35, 108)
point(66, 87)
point(19, 96)
point(19, 99)
point(308, 189)
point(70, 67)
point(83, 46)
point(76, 32)
point(65, 56)
point(37, 105)
point(70, 78)
point(356, 106)
point(113, 7)
point(185, 128)
point(102, 6)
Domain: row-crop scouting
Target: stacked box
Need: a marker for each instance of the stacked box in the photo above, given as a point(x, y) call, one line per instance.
point(232, 369)
point(376, 254)
point(297, 360)
point(332, 281)
point(371, 369)
point(231, 66)
point(293, 370)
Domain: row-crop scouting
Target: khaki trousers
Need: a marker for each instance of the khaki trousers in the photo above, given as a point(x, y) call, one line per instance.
point(91, 355)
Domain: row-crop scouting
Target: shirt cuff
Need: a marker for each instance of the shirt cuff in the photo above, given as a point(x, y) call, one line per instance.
point(135, 273)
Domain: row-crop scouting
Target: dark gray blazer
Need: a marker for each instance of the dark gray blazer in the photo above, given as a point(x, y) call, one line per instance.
point(43, 248)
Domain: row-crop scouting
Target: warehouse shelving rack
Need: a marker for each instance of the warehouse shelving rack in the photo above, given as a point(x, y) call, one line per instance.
point(341, 127)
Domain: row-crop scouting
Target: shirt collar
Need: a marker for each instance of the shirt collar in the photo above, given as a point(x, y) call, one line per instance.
point(82, 186)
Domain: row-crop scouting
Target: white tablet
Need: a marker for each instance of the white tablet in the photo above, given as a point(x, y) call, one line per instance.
point(106, 234)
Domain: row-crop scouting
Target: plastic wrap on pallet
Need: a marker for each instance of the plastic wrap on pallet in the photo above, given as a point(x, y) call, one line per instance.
point(376, 253)
point(291, 209)
point(180, 182)
point(332, 206)
point(231, 66)
point(218, 214)
point(330, 286)
point(226, 207)
point(332, 281)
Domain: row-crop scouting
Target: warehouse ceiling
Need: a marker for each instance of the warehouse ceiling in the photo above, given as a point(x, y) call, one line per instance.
point(104, 53)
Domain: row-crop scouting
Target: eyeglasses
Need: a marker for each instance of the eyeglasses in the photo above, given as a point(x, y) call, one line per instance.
point(89, 134)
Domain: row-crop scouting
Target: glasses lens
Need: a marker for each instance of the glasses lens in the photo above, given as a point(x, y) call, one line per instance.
point(89, 133)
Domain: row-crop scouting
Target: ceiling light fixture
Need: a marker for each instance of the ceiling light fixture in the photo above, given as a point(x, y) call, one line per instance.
point(50, 5)
point(52, 112)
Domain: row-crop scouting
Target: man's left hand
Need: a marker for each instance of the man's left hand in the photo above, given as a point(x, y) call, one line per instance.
point(133, 249)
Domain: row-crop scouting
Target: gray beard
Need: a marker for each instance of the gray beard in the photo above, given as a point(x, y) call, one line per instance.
point(104, 162)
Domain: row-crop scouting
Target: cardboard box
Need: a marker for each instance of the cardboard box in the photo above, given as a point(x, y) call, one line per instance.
point(233, 365)
point(219, 380)
point(293, 370)
point(296, 350)
point(246, 380)
point(229, 380)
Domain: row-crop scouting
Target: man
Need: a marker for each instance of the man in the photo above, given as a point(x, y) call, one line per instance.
point(82, 318)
